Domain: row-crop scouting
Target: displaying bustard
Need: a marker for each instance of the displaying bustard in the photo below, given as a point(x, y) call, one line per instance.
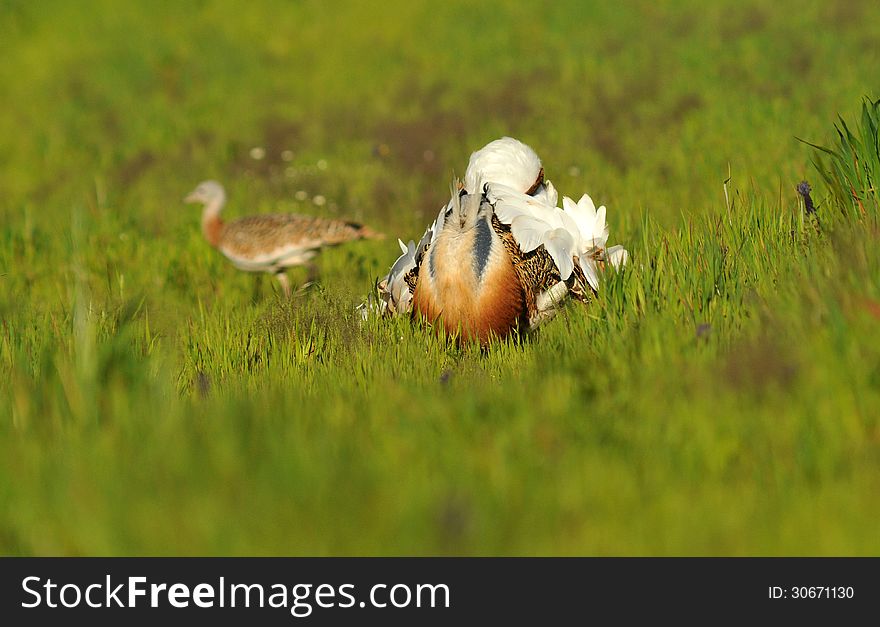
point(501, 255)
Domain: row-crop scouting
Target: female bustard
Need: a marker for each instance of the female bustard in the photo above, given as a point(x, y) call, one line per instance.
point(270, 242)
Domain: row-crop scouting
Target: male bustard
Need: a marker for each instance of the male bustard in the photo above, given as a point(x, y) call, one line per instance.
point(500, 255)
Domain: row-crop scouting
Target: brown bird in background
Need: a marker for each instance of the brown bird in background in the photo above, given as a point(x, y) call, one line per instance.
point(270, 242)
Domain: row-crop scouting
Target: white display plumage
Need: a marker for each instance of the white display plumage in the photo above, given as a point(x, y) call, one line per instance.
point(534, 222)
point(506, 161)
point(593, 229)
point(578, 230)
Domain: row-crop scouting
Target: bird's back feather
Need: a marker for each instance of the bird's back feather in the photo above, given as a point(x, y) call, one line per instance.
point(274, 241)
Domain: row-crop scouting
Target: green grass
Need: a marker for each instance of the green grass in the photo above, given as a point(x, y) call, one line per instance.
point(720, 396)
point(852, 169)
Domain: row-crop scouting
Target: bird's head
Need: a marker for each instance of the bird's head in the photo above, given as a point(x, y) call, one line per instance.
point(207, 193)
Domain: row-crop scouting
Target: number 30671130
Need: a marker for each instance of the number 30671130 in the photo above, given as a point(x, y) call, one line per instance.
point(814, 592)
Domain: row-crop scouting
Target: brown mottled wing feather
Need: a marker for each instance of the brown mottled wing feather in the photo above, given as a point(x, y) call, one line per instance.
point(578, 288)
point(411, 278)
point(253, 234)
point(535, 270)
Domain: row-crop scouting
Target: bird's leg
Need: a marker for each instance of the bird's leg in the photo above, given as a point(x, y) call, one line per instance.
point(311, 277)
point(257, 293)
point(285, 283)
point(312, 273)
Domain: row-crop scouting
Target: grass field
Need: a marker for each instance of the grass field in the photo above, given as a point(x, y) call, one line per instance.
point(720, 396)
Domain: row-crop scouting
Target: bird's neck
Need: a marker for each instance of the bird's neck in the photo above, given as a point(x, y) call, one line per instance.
point(212, 223)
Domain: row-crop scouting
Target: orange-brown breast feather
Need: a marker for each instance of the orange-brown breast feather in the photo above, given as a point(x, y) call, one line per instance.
point(501, 303)
point(478, 307)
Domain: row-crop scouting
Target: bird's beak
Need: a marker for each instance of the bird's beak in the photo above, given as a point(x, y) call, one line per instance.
point(191, 197)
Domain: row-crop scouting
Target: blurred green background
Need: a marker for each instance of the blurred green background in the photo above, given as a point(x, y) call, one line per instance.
point(721, 396)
